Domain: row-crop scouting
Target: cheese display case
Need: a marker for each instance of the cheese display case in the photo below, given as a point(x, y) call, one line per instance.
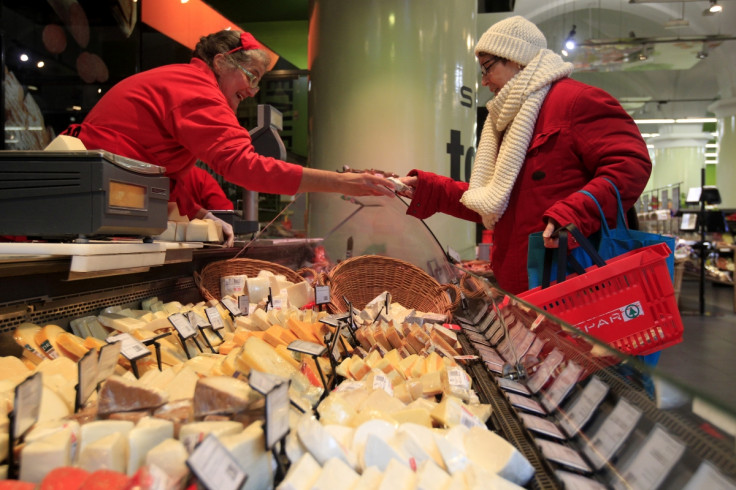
point(429, 378)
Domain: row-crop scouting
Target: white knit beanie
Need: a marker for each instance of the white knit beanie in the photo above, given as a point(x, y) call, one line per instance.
point(515, 39)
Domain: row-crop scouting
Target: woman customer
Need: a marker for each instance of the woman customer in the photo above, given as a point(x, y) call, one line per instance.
point(546, 137)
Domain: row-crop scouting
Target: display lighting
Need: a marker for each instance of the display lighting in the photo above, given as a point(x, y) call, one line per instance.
point(24, 57)
point(713, 9)
point(570, 41)
point(688, 120)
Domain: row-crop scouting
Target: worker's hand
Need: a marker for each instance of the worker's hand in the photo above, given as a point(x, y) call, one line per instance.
point(227, 230)
point(364, 184)
point(410, 183)
point(549, 241)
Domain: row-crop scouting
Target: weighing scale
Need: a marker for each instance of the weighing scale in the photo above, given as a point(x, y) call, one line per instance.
point(78, 195)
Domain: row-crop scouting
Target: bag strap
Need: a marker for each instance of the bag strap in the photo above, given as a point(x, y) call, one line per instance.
point(563, 258)
point(620, 216)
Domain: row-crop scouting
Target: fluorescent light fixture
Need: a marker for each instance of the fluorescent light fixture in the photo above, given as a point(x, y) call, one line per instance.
point(687, 120)
point(654, 121)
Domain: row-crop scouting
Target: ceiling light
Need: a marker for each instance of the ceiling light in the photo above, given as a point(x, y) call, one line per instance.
point(570, 41)
point(714, 8)
point(24, 57)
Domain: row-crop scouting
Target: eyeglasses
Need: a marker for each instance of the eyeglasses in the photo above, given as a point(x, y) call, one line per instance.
point(484, 69)
point(252, 79)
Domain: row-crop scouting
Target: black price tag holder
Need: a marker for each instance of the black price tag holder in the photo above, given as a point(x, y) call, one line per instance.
point(322, 296)
point(156, 346)
point(215, 319)
point(26, 407)
point(132, 349)
point(215, 467)
point(87, 374)
point(276, 427)
point(311, 349)
point(201, 324)
point(185, 330)
point(232, 308)
point(269, 301)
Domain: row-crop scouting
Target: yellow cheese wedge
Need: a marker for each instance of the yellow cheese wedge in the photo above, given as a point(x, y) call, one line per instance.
point(13, 369)
point(71, 346)
point(46, 339)
point(25, 335)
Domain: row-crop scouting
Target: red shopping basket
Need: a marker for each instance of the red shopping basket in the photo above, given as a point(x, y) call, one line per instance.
point(629, 303)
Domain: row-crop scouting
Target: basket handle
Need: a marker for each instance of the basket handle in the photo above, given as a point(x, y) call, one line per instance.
point(563, 258)
point(467, 291)
point(456, 297)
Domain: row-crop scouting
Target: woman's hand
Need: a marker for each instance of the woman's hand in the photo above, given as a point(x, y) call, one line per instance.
point(411, 183)
point(549, 241)
point(227, 229)
point(347, 183)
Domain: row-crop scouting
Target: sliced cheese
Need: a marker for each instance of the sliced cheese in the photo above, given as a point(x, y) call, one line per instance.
point(41, 456)
point(320, 443)
point(335, 471)
point(249, 448)
point(497, 456)
point(147, 434)
point(99, 429)
point(431, 477)
point(222, 394)
point(109, 452)
point(119, 394)
point(380, 453)
point(398, 477)
point(171, 457)
point(302, 474)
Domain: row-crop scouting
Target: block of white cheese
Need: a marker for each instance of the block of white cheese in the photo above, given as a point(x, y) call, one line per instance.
point(398, 477)
point(249, 448)
point(182, 386)
point(476, 478)
point(53, 406)
point(431, 477)
point(43, 455)
point(370, 479)
point(335, 473)
point(379, 453)
point(41, 430)
point(98, 429)
point(169, 234)
point(181, 231)
point(147, 434)
point(201, 230)
point(496, 455)
point(222, 394)
point(300, 294)
point(171, 457)
point(258, 289)
point(320, 442)
point(454, 457)
point(107, 453)
point(302, 474)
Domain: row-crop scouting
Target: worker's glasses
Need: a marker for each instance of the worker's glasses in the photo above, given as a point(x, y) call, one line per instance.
point(484, 69)
point(252, 79)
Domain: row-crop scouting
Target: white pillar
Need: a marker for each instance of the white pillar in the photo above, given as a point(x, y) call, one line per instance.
point(393, 87)
point(679, 156)
point(725, 111)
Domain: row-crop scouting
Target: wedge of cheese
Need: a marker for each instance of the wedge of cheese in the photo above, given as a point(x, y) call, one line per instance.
point(41, 456)
point(302, 474)
point(183, 385)
point(431, 477)
point(99, 429)
point(222, 394)
point(335, 470)
point(320, 443)
point(170, 456)
point(119, 394)
point(13, 369)
point(108, 452)
point(259, 355)
point(71, 346)
point(195, 432)
point(398, 476)
point(370, 479)
point(497, 456)
point(249, 448)
point(147, 434)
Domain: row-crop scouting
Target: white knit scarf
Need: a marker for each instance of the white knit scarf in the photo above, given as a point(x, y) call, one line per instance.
point(516, 107)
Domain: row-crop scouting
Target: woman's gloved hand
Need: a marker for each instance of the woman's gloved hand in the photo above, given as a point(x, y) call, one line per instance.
point(227, 230)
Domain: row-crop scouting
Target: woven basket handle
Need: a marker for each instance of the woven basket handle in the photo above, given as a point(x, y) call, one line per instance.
point(306, 272)
point(455, 296)
point(472, 293)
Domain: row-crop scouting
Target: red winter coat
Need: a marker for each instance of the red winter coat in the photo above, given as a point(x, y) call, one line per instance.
point(175, 114)
point(582, 134)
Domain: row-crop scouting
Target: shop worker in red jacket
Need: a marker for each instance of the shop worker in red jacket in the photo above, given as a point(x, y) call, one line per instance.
point(175, 114)
point(204, 190)
point(546, 137)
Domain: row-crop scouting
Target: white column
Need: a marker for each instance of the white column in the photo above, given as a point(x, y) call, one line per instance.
point(725, 111)
point(679, 155)
point(393, 86)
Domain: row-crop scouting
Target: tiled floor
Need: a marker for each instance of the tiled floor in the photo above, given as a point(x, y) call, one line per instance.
point(706, 358)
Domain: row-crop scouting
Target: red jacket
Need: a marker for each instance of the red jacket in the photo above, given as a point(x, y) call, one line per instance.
point(582, 134)
point(203, 190)
point(175, 114)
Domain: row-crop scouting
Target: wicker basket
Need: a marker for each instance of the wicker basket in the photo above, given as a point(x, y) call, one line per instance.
point(208, 279)
point(361, 279)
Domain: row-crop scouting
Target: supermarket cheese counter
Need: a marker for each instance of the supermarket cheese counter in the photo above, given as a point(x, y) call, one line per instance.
point(244, 373)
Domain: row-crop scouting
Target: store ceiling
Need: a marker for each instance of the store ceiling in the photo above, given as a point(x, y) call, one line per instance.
point(671, 82)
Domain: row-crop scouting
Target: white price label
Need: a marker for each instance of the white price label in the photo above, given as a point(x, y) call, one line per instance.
point(87, 375)
point(561, 386)
point(305, 347)
point(545, 370)
point(653, 462)
point(541, 425)
point(196, 320)
point(263, 382)
point(381, 381)
point(573, 481)
point(27, 404)
point(511, 385)
point(707, 477)
point(213, 315)
point(231, 306)
point(182, 325)
point(612, 433)
point(457, 377)
point(215, 467)
point(277, 302)
point(562, 454)
point(525, 403)
point(322, 295)
point(107, 360)
point(583, 408)
point(244, 304)
point(468, 419)
point(277, 414)
point(131, 348)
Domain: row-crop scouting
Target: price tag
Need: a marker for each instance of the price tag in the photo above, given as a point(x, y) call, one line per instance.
point(132, 349)
point(536, 347)
point(381, 381)
point(468, 419)
point(107, 360)
point(262, 382)
point(707, 476)
point(244, 304)
point(182, 325)
point(573, 481)
point(562, 385)
point(322, 295)
point(457, 377)
point(525, 403)
point(277, 414)
point(230, 306)
point(545, 370)
point(214, 317)
point(563, 455)
point(27, 404)
point(653, 462)
point(542, 426)
point(215, 467)
point(87, 374)
point(277, 302)
point(612, 433)
point(197, 320)
point(454, 255)
point(583, 408)
point(513, 386)
point(310, 348)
